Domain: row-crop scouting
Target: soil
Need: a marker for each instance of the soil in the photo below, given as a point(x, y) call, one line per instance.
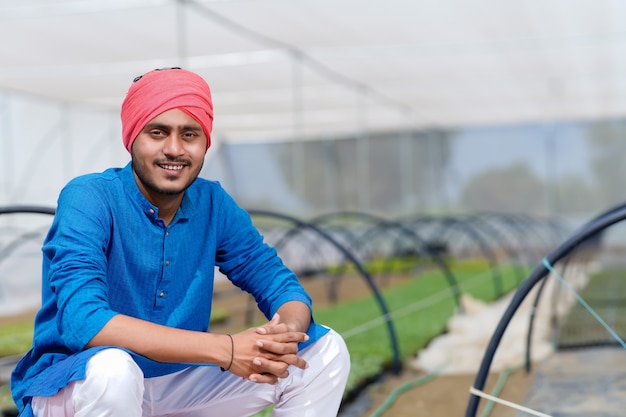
point(441, 396)
point(393, 395)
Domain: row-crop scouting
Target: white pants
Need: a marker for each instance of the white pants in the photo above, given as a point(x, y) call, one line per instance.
point(114, 386)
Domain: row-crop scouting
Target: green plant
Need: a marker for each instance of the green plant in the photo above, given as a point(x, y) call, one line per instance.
point(420, 309)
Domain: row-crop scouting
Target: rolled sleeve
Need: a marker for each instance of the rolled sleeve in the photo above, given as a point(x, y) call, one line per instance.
point(253, 265)
point(76, 264)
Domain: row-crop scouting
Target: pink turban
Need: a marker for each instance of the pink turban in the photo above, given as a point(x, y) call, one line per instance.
point(161, 90)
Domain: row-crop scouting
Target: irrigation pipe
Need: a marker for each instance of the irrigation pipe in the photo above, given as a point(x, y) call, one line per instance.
point(435, 373)
point(405, 387)
point(498, 388)
point(493, 399)
point(398, 313)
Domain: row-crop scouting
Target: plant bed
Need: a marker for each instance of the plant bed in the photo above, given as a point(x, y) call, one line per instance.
point(419, 307)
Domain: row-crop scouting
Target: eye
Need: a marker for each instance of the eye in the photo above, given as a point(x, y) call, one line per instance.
point(190, 134)
point(157, 132)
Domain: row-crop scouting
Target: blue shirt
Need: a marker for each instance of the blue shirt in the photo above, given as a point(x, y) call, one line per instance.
point(108, 252)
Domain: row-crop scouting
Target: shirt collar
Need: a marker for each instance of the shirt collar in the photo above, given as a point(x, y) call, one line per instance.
point(151, 211)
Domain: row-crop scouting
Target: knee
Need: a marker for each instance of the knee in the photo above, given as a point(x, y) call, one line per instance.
point(115, 365)
point(112, 379)
point(329, 364)
point(331, 354)
point(338, 346)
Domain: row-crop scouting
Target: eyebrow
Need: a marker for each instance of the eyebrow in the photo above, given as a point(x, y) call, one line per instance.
point(163, 126)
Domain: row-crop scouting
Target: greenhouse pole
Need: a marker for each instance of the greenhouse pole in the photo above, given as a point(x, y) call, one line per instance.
point(297, 109)
point(181, 33)
point(362, 151)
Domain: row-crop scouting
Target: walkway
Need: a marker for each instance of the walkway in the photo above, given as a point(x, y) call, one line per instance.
point(588, 382)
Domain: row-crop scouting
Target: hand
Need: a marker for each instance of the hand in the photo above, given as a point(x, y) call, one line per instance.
point(278, 354)
point(263, 354)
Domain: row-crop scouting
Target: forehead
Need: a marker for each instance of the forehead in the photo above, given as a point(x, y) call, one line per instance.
point(174, 118)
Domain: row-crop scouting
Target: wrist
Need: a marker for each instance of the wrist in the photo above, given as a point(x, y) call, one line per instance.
point(297, 325)
point(231, 348)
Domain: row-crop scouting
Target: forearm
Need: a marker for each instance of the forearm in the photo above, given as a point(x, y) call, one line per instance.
point(296, 315)
point(162, 343)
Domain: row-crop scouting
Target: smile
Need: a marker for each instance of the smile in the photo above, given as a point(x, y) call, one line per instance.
point(172, 167)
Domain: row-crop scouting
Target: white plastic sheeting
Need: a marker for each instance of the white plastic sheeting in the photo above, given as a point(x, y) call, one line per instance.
point(285, 69)
point(461, 349)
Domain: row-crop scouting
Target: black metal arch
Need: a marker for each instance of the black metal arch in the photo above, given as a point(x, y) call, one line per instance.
point(547, 231)
point(396, 360)
point(14, 244)
point(590, 230)
point(23, 238)
point(27, 209)
point(385, 224)
point(362, 243)
point(502, 241)
point(344, 233)
point(566, 263)
point(311, 247)
point(448, 223)
point(521, 229)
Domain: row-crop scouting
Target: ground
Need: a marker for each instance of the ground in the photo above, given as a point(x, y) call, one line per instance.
point(441, 396)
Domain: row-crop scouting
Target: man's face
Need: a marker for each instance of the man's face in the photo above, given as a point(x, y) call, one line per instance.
point(168, 155)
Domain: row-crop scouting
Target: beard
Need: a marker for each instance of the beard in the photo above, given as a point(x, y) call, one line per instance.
point(147, 179)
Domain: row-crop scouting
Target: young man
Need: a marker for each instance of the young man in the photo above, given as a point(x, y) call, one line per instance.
point(128, 279)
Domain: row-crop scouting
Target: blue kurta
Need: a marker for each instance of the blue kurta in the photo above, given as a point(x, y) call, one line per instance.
point(107, 252)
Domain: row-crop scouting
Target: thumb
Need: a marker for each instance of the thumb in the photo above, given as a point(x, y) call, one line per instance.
point(273, 322)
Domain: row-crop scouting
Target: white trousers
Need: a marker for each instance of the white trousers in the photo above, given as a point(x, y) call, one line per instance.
point(114, 386)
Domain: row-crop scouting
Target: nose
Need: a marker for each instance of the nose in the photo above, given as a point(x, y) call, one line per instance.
point(173, 145)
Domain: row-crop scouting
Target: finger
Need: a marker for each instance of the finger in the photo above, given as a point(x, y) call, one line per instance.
point(275, 320)
point(265, 366)
point(293, 360)
point(278, 348)
point(282, 344)
point(277, 363)
point(264, 379)
point(275, 329)
point(290, 337)
point(265, 329)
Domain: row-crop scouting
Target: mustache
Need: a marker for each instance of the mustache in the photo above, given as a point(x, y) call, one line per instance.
point(182, 161)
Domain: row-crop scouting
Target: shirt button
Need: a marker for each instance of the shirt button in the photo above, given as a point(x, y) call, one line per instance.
point(161, 294)
point(151, 211)
point(167, 263)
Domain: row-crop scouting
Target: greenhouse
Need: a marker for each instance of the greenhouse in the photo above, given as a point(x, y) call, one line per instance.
point(443, 178)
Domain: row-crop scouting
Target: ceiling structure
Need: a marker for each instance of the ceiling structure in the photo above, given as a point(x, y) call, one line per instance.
point(285, 69)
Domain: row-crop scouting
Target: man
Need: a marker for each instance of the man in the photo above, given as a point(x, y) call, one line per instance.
point(127, 286)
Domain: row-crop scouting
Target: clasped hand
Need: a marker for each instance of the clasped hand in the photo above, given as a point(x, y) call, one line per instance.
point(263, 354)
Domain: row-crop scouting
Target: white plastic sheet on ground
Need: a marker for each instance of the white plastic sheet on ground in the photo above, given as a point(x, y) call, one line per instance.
point(461, 349)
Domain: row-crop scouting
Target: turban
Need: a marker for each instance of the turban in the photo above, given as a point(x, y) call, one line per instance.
point(161, 90)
